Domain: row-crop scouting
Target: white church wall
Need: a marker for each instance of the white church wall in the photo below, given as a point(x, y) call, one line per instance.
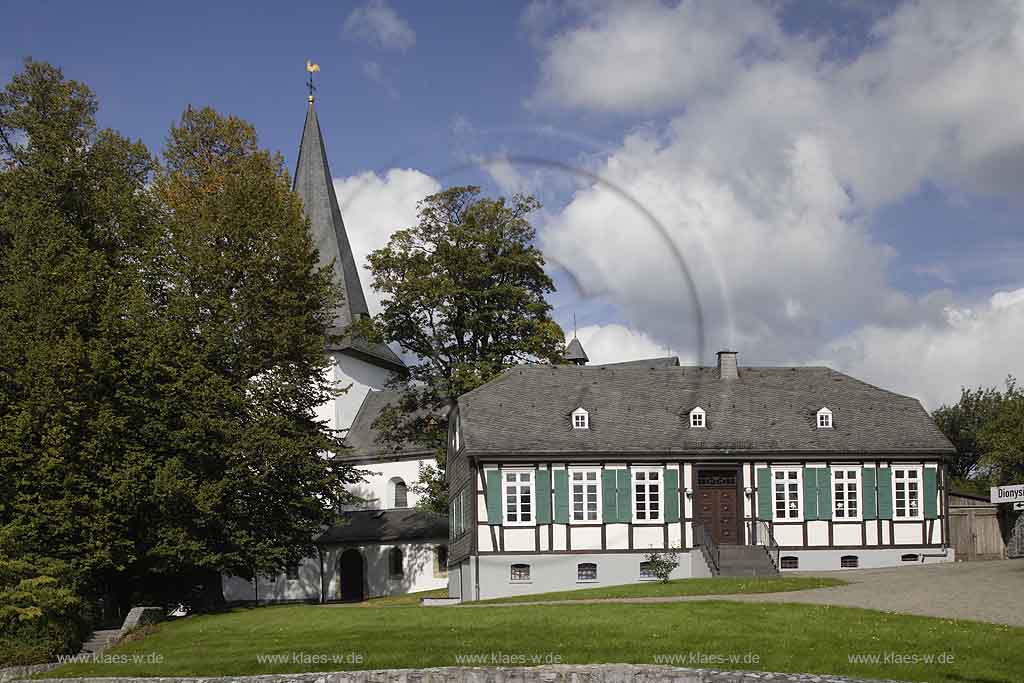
point(421, 570)
point(362, 377)
point(378, 488)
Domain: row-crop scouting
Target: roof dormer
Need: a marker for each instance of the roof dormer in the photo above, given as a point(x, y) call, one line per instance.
point(824, 419)
point(580, 419)
point(698, 418)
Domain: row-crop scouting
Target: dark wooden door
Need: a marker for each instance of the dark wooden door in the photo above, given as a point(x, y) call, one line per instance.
point(351, 575)
point(718, 505)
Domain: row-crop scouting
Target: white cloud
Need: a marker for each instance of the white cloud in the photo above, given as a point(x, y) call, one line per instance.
point(374, 207)
point(617, 343)
point(970, 347)
point(376, 23)
point(767, 175)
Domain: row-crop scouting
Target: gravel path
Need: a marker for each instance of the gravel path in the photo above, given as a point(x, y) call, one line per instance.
point(978, 591)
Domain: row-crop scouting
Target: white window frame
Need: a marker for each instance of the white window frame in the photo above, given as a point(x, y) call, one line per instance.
point(858, 493)
point(529, 573)
point(799, 493)
point(517, 484)
point(647, 494)
point(572, 494)
point(698, 415)
point(823, 413)
point(580, 424)
point(919, 480)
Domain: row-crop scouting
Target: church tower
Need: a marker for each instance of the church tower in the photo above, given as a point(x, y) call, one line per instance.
point(356, 361)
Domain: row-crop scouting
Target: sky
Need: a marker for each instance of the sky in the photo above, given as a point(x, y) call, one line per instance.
point(828, 183)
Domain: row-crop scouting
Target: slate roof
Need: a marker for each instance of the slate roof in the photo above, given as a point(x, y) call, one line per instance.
point(574, 351)
point(645, 410)
point(364, 441)
point(314, 185)
point(666, 362)
point(384, 526)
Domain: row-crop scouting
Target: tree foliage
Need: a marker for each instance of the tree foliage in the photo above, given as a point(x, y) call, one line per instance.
point(987, 428)
point(464, 291)
point(163, 331)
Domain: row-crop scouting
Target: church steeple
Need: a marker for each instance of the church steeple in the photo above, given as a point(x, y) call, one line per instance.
point(315, 187)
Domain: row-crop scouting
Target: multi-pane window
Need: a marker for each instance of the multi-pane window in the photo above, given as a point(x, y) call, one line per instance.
point(586, 571)
point(586, 496)
point(459, 510)
point(906, 492)
point(824, 419)
point(787, 493)
point(647, 495)
point(697, 418)
point(790, 562)
point(580, 419)
point(396, 563)
point(520, 572)
point(518, 497)
point(401, 494)
point(846, 490)
point(647, 570)
point(849, 562)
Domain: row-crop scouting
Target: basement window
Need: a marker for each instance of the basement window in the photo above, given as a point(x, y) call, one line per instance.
point(849, 562)
point(909, 557)
point(520, 573)
point(790, 562)
point(647, 570)
point(586, 571)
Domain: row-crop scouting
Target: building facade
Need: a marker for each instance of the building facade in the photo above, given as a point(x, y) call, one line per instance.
point(383, 545)
point(565, 477)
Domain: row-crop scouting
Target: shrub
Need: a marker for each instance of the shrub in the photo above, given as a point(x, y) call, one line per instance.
point(40, 614)
point(663, 564)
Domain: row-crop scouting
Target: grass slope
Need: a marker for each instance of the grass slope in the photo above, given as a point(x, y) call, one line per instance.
point(718, 585)
point(783, 637)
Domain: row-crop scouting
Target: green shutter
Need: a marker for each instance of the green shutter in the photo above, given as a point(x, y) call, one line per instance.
point(625, 502)
point(561, 497)
point(543, 497)
point(764, 493)
point(493, 495)
point(810, 493)
point(609, 501)
point(869, 502)
point(931, 492)
point(884, 493)
point(825, 493)
point(671, 495)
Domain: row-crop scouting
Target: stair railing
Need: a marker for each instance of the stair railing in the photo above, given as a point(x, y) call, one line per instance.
point(759, 533)
point(702, 537)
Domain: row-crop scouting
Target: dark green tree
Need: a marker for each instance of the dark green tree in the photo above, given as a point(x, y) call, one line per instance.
point(464, 291)
point(1002, 438)
point(962, 423)
point(163, 336)
point(77, 227)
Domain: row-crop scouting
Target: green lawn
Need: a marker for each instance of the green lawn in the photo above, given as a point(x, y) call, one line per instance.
point(718, 585)
point(782, 637)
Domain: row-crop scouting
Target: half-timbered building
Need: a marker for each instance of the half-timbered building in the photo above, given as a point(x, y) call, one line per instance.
point(568, 476)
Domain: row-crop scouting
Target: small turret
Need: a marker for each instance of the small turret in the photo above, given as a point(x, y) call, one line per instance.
point(575, 354)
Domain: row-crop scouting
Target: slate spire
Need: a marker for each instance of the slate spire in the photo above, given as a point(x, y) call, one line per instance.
point(574, 352)
point(315, 187)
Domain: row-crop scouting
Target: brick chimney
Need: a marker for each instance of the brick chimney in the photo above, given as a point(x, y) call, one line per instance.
point(727, 365)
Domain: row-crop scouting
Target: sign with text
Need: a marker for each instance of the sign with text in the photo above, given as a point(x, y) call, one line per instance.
point(1007, 494)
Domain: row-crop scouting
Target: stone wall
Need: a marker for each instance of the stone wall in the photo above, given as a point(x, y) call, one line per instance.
point(593, 673)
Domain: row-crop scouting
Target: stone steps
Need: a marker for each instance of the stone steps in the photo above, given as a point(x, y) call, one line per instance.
point(101, 640)
point(744, 560)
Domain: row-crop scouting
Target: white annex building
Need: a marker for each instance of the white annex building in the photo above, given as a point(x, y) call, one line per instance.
point(385, 546)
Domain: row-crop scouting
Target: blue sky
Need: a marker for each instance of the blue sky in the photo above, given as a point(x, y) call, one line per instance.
point(842, 180)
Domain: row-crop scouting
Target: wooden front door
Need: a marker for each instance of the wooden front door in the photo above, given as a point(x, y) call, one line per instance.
point(718, 505)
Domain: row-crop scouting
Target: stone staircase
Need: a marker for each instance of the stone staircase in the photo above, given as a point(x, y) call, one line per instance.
point(101, 640)
point(745, 560)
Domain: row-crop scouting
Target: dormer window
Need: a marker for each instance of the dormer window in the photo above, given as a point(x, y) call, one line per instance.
point(698, 419)
point(824, 419)
point(580, 419)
